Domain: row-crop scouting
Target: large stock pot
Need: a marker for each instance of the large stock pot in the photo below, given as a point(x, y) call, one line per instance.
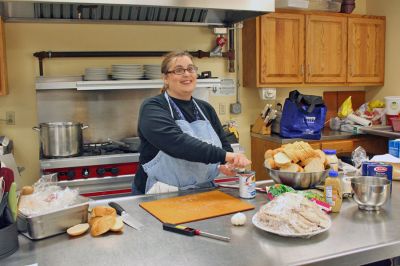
point(61, 139)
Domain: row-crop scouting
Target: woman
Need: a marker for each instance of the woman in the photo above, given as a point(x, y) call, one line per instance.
point(182, 140)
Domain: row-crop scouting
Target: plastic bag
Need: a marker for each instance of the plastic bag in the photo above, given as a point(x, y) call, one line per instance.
point(346, 108)
point(47, 197)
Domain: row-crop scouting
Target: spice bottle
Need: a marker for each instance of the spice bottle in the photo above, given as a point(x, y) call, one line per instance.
point(333, 191)
point(332, 159)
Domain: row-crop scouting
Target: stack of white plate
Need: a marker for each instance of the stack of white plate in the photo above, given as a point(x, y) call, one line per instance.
point(152, 71)
point(132, 71)
point(96, 73)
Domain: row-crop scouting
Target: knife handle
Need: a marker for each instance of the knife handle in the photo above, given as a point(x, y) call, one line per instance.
point(117, 207)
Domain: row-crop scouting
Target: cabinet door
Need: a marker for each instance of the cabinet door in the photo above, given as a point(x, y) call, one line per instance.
point(366, 50)
point(281, 48)
point(3, 71)
point(258, 148)
point(326, 49)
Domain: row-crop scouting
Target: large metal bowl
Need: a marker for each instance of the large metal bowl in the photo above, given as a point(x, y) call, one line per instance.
point(370, 192)
point(297, 180)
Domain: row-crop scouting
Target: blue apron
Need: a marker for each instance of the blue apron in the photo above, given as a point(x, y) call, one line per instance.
point(182, 173)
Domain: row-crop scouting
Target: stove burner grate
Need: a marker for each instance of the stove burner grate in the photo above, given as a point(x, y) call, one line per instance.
point(104, 148)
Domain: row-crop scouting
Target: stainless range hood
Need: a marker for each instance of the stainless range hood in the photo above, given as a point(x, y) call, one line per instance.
point(188, 12)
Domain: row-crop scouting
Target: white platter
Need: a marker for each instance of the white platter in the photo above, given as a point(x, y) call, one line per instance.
point(257, 223)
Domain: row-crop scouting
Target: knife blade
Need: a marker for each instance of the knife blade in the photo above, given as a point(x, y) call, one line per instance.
point(126, 218)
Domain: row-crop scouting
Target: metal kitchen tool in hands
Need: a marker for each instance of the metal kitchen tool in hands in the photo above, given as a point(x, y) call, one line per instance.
point(128, 220)
point(184, 230)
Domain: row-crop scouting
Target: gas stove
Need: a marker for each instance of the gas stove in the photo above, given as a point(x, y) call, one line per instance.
point(103, 170)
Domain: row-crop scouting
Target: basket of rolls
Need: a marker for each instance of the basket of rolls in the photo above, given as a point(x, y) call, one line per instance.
point(297, 165)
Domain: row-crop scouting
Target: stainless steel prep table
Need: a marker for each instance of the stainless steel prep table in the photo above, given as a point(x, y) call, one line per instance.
point(356, 237)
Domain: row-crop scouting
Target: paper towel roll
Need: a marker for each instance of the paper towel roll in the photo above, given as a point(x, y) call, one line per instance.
point(359, 120)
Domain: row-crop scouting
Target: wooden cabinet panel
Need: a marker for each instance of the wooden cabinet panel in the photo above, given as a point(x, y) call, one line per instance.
point(341, 146)
point(3, 69)
point(366, 50)
point(315, 145)
point(281, 48)
point(313, 49)
point(326, 49)
point(258, 149)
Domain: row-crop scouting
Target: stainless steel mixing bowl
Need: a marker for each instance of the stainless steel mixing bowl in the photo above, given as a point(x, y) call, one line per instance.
point(370, 192)
point(297, 180)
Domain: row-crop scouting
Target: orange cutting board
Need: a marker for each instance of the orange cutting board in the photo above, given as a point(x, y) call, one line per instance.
point(195, 207)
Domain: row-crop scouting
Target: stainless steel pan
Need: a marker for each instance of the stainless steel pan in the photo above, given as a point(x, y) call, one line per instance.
point(131, 143)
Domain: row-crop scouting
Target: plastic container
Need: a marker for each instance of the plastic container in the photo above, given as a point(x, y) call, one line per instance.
point(53, 223)
point(395, 123)
point(332, 159)
point(392, 104)
point(389, 119)
point(8, 240)
point(333, 191)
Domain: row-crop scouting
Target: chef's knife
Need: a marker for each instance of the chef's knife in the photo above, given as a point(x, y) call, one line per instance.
point(128, 220)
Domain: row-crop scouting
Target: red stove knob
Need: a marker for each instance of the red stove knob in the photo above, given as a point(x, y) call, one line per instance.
point(101, 171)
point(114, 171)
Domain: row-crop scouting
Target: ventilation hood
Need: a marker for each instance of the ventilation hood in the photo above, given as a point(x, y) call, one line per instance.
point(200, 12)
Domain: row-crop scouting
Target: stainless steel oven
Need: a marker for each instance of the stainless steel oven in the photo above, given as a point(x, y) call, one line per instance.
point(103, 170)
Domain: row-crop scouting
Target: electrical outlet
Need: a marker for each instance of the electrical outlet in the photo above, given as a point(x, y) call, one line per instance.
point(10, 118)
point(267, 93)
point(222, 109)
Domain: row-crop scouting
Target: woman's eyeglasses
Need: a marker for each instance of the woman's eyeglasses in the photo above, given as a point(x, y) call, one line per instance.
point(181, 70)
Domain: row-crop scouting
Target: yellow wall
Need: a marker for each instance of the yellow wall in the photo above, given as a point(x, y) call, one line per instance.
point(390, 9)
point(23, 39)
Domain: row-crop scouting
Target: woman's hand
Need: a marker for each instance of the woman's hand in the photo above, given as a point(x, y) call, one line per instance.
point(227, 170)
point(237, 160)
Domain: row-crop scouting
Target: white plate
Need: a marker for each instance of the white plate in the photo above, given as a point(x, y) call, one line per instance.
point(128, 65)
point(257, 223)
point(129, 72)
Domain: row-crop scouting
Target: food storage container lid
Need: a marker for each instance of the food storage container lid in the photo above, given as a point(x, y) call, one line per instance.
point(333, 173)
point(329, 152)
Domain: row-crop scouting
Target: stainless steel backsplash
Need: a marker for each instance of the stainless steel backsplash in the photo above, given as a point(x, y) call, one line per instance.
point(109, 114)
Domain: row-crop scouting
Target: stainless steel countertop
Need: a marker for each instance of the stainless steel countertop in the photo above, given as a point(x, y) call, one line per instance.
point(356, 237)
point(326, 135)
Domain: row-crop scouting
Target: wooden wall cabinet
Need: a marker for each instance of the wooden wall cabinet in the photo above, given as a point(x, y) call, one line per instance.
point(313, 49)
point(3, 68)
point(326, 49)
point(366, 50)
point(259, 145)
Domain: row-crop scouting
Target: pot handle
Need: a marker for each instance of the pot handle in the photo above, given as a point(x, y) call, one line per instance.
point(36, 128)
point(84, 127)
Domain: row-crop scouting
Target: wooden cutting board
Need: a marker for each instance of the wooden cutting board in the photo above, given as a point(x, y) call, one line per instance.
point(195, 207)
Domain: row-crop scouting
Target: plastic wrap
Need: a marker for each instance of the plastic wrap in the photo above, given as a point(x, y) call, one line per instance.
point(47, 197)
point(358, 156)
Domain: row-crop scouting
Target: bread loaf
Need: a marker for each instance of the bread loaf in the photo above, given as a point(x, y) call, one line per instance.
point(26, 190)
point(282, 160)
point(78, 229)
point(118, 225)
point(102, 225)
point(100, 211)
point(292, 157)
point(314, 165)
point(291, 168)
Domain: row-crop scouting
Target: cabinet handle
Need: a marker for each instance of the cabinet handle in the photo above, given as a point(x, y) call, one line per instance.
point(308, 69)
point(302, 70)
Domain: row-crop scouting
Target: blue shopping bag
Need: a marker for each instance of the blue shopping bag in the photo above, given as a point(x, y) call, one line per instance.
point(303, 116)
